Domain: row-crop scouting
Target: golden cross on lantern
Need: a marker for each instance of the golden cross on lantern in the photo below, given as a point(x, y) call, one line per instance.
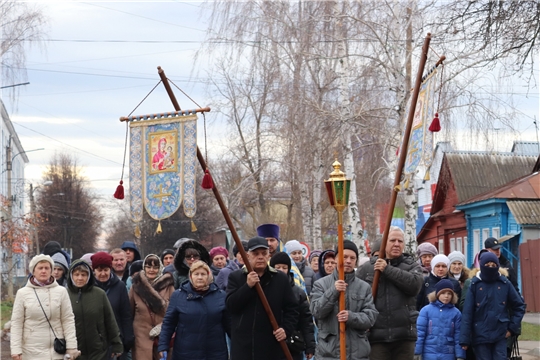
point(161, 195)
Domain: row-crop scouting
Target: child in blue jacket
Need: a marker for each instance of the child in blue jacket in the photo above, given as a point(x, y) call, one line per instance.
point(492, 312)
point(439, 325)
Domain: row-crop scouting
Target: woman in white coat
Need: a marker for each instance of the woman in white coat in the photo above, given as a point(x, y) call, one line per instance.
point(31, 335)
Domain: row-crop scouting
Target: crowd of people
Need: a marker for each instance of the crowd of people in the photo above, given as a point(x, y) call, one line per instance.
point(191, 303)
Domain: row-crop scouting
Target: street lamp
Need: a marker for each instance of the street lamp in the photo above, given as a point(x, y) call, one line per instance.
point(338, 187)
point(35, 238)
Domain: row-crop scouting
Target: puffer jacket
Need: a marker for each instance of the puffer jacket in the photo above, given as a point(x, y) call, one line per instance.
point(438, 332)
point(200, 322)
point(94, 318)
point(362, 315)
point(31, 335)
point(399, 285)
point(307, 273)
point(430, 282)
point(490, 309)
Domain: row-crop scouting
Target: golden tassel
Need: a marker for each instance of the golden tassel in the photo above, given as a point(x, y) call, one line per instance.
point(193, 227)
point(427, 177)
point(158, 230)
point(406, 185)
point(137, 231)
point(397, 188)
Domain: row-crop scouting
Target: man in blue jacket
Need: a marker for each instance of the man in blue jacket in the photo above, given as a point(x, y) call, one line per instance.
point(492, 312)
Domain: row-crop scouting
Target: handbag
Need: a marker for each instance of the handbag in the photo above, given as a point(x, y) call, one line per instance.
point(59, 345)
point(295, 342)
point(156, 330)
point(515, 350)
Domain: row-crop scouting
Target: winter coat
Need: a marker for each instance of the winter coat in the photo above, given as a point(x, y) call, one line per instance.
point(307, 273)
point(31, 335)
point(490, 309)
point(149, 302)
point(118, 297)
point(321, 272)
point(512, 275)
point(180, 270)
point(200, 322)
point(399, 284)
point(216, 271)
point(438, 331)
point(251, 332)
point(305, 319)
point(223, 277)
point(430, 282)
point(94, 318)
point(462, 278)
point(362, 315)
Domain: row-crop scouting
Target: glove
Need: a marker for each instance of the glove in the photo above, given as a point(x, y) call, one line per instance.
point(73, 353)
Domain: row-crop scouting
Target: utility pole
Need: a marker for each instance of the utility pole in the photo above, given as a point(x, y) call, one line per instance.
point(9, 239)
point(33, 211)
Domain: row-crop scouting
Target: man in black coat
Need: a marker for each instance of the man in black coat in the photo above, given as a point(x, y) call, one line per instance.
point(493, 246)
point(252, 335)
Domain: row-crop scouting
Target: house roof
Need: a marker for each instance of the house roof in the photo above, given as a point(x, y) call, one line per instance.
point(525, 187)
point(475, 173)
point(526, 212)
point(526, 147)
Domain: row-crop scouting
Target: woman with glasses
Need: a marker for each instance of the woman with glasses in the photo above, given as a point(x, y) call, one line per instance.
point(149, 297)
point(188, 252)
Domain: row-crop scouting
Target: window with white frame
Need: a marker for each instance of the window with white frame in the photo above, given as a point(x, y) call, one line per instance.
point(459, 244)
point(476, 241)
point(452, 244)
point(441, 246)
point(465, 247)
point(496, 232)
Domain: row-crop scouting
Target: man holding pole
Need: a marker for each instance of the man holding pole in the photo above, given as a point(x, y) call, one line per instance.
point(393, 336)
point(359, 314)
point(252, 335)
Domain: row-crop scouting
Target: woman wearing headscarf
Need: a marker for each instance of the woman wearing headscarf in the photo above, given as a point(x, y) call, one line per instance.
point(149, 297)
point(439, 270)
point(94, 317)
point(117, 294)
point(31, 335)
point(198, 301)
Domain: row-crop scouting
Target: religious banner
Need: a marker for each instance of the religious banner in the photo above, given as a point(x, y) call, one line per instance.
point(421, 141)
point(163, 155)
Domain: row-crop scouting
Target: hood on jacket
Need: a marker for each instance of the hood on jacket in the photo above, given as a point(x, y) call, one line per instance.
point(131, 245)
point(432, 296)
point(91, 278)
point(321, 261)
point(179, 264)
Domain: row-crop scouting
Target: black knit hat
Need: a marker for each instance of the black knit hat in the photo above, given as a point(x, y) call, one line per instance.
point(281, 258)
point(235, 248)
point(167, 252)
point(349, 245)
point(135, 267)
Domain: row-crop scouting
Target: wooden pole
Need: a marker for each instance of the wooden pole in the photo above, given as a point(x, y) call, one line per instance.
point(402, 158)
point(341, 273)
point(230, 224)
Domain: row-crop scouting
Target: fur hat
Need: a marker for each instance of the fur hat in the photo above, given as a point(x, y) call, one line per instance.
point(426, 248)
point(444, 284)
point(39, 258)
point(60, 259)
point(268, 231)
point(456, 256)
point(218, 250)
point(293, 245)
point(281, 258)
point(101, 258)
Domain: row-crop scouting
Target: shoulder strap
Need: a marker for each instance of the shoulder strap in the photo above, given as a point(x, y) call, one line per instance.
point(44, 313)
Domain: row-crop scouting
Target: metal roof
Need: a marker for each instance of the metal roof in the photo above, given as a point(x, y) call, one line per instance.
point(526, 147)
point(526, 212)
point(476, 173)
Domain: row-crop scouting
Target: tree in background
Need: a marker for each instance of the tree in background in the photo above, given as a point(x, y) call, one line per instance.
point(21, 25)
point(69, 208)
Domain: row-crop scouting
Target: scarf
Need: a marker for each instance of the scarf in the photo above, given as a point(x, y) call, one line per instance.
point(35, 281)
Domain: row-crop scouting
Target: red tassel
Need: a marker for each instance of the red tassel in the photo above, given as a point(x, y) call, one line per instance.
point(207, 182)
point(119, 193)
point(435, 124)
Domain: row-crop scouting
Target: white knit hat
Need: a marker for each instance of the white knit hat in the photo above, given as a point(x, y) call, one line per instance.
point(38, 258)
point(440, 258)
point(293, 245)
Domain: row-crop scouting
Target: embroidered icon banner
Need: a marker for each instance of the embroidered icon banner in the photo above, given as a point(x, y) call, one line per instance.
point(163, 155)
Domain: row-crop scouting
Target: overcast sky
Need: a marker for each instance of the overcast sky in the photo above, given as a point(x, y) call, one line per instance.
point(99, 63)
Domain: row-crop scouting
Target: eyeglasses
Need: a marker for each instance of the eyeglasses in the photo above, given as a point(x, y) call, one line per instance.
point(193, 257)
point(151, 267)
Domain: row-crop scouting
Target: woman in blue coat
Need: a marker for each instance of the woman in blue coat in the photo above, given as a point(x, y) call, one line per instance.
point(439, 325)
point(197, 314)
